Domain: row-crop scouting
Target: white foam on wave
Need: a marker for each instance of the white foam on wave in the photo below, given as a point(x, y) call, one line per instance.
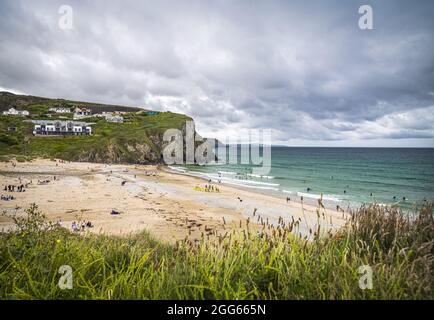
point(234, 183)
point(260, 176)
point(240, 182)
point(317, 196)
point(178, 169)
point(228, 172)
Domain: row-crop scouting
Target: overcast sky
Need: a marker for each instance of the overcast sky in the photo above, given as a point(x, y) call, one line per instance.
point(302, 68)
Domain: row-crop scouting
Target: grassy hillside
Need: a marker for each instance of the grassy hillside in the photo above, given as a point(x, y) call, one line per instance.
point(9, 100)
point(137, 140)
point(271, 265)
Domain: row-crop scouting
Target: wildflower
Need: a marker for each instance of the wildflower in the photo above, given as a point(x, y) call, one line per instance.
point(58, 241)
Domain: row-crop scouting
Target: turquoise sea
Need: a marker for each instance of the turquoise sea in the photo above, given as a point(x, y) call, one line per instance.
point(345, 176)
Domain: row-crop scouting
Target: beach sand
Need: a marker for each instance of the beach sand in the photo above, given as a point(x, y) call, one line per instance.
point(148, 198)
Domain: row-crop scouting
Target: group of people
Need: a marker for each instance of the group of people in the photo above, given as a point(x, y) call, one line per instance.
point(211, 188)
point(13, 188)
point(7, 197)
point(77, 227)
point(44, 181)
point(208, 188)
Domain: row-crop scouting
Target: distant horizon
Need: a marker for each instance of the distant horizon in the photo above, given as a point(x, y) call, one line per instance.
point(331, 147)
point(7, 90)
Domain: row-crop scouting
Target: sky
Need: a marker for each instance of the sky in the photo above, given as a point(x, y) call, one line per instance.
point(303, 69)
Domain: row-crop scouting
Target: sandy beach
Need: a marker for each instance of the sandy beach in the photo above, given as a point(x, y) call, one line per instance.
point(170, 206)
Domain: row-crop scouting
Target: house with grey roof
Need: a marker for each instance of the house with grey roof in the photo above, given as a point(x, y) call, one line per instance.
point(61, 128)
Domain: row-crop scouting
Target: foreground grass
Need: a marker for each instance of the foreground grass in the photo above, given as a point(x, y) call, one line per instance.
point(272, 265)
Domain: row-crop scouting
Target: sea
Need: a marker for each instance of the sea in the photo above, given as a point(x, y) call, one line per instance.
point(348, 177)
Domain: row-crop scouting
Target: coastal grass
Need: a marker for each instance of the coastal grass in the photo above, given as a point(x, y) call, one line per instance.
point(244, 264)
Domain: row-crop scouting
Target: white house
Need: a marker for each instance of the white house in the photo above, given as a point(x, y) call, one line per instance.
point(60, 110)
point(14, 112)
point(115, 119)
point(61, 128)
point(103, 114)
point(81, 112)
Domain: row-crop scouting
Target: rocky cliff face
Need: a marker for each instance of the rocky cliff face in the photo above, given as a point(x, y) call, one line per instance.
point(138, 140)
point(128, 151)
point(115, 152)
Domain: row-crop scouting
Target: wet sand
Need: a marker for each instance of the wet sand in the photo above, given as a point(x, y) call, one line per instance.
point(148, 198)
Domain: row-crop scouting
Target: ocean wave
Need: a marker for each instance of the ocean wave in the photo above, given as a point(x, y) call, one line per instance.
point(241, 182)
point(317, 196)
point(260, 176)
point(234, 183)
point(178, 169)
point(227, 172)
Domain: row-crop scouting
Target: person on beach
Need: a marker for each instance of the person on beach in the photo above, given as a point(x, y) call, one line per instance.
point(74, 226)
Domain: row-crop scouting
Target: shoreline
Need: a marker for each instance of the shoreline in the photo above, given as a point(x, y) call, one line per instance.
point(309, 199)
point(169, 205)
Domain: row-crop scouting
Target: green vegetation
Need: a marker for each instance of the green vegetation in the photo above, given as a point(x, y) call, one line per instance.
point(271, 265)
point(137, 140)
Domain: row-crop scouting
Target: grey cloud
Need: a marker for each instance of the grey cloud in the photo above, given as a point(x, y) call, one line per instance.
point(302, 67)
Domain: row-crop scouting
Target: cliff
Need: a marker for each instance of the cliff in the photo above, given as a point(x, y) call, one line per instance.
point(138, 140)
